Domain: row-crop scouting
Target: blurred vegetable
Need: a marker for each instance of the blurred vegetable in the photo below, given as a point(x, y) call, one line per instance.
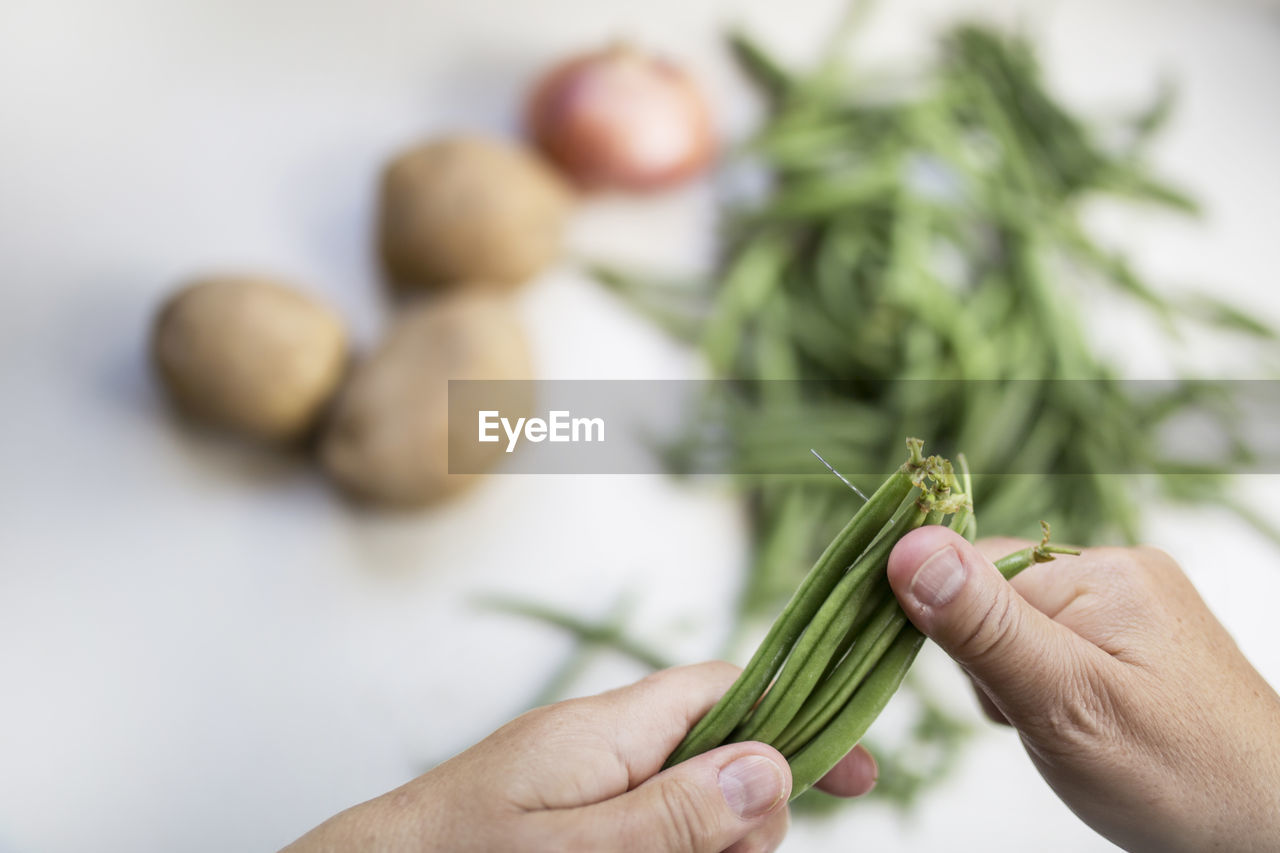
point(607, 634)
point(622, 119)
point(388, 439)
point(470, 211)
point(918, 264)
point(249, 354)
point(937, 239)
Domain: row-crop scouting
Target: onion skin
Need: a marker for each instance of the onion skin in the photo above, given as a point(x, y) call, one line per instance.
point(622, 119)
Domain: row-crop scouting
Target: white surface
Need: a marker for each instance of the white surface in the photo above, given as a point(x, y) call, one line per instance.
point(201, 648)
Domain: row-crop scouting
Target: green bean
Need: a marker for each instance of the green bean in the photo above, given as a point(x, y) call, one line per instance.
point(813, 591)
point(763, 69)
point(840, 734)
point(744, 291)
point(607, 634)
point(834, 691)
point(965, 522)
point(819, 642)
point(829, 195)
point(822, 753)
point(865, 649)
point(790, 540)
point(1011, 564)
point(866, 614)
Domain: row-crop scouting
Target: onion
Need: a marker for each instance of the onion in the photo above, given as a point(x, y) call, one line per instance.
point(622, 119)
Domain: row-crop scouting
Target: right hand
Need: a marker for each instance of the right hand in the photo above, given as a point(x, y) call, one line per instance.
point(1131, 699)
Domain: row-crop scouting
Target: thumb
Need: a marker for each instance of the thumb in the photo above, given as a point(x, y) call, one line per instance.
point(706, 803)
point(955, 596)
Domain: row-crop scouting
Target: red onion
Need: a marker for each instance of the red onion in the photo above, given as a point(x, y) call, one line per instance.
point(622, 119)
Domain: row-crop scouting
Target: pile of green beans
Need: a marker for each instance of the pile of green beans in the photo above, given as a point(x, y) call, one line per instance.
point(917, 261)
point(842, 645)
point(920, 264)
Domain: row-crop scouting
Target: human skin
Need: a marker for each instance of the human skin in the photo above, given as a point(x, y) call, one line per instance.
point(1130, 698)
point(584, 775)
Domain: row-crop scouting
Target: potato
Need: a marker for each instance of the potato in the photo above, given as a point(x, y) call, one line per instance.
point(388, 439)
point(249, 354)
point(470, 210)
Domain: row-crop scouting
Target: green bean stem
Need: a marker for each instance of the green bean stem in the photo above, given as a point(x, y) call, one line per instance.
point(1011, 564)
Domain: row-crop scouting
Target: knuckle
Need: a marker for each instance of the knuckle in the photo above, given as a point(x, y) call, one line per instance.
point(1112, 554)
point(721, 668)
point(659, 677)
point(1141, 563)
point(713, 669)
point(1143, 575)
point(766, 839)
point(1148, 563)
point(685, 822)
point(1122, 574)
point(1161, 571)
point(1081, 714)
point(536, 737)
point(994, 631)
point(1156, 557)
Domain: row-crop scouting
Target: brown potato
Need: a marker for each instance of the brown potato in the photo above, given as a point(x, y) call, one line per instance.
point(388, 439)
point(470, 210)
point(249, 354)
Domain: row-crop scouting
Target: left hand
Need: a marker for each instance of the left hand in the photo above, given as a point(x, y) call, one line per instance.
point(584, 775)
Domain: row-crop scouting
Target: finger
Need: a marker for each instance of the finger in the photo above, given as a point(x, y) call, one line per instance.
point(952, 593)
point(988, 706)
point(1054, 587)
point(853, 776)
point(995, 547)
point(1048, 587)
point(646, 721)
point(767, 838)
point(619, 738)
point(1029, 587)
point(708, 803)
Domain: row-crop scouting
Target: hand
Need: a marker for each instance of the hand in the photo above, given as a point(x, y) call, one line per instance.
point(580, 775)
point(1131, 699)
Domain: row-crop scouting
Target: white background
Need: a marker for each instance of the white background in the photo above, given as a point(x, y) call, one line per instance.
point(201, 648)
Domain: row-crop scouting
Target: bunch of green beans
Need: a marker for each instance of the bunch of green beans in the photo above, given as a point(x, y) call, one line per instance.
point(842, 645)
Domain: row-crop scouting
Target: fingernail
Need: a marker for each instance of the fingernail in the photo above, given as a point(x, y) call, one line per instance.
point(752, 785)
point(939, 578)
